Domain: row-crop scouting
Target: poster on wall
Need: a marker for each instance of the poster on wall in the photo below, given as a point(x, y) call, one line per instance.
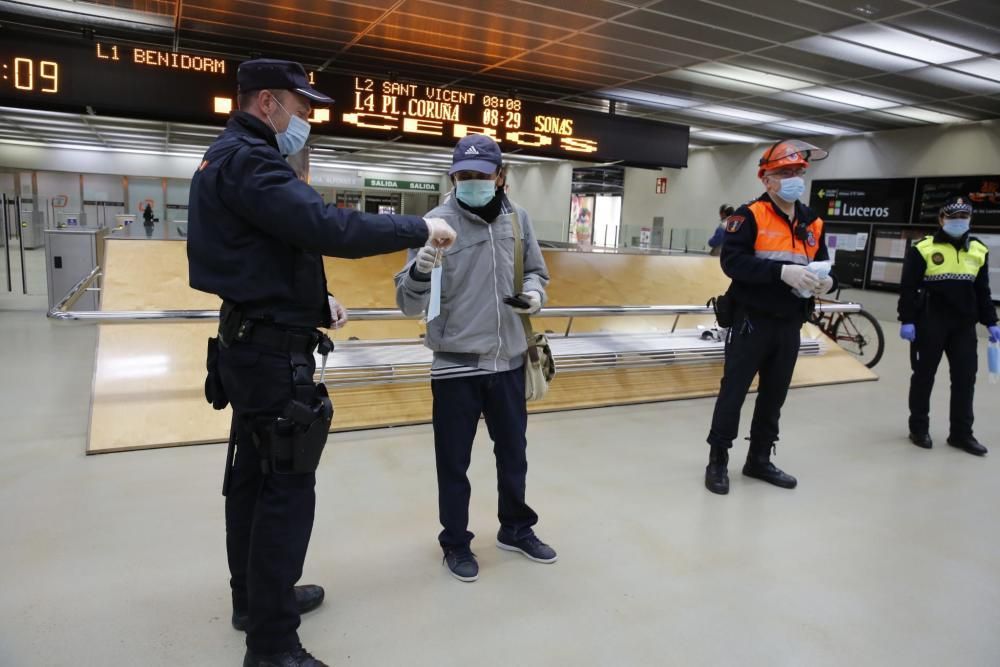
point(581, 219)
point(889, 248)
point(887, 200)
point(848, 247)
point(983, 193)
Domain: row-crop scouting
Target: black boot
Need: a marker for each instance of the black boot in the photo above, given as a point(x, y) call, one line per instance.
point(969, 444)
point(759, 466)
point(306, 597)
point(716, 474)
point(297, 658)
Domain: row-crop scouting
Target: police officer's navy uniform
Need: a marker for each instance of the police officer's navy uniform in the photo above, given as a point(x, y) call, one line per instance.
point(767, 318)
point(945, 291)
point(256, 237)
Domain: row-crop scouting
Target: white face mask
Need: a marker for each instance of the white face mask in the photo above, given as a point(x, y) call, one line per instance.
point(294, 138)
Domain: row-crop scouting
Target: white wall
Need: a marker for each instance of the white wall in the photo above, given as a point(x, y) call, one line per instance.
point(97, 162)
point(543, 190)
point(729, 174)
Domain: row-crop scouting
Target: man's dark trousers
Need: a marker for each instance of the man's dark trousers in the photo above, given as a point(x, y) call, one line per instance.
point(756, 344)
point(269, 517)
point(458, 404)
point(937, 336)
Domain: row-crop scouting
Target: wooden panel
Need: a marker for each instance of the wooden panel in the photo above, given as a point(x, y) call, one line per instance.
point(148, 377)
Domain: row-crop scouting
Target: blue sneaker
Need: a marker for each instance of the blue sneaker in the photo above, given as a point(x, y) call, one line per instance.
point(531, 547)
point(461, 563)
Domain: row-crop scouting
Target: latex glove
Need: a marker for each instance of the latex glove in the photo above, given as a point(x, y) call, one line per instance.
point(338, 313)
point(425, 260)
point(439, 233)
point(535, 299)
point(908, 332)
point(799, 277)
point(994, 332)
point(824, 286)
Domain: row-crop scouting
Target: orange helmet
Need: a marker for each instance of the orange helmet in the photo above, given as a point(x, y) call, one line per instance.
point(789, 152)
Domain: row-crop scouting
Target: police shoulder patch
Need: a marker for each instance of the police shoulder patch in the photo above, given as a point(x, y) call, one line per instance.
point(734, 222)
point(937, 258)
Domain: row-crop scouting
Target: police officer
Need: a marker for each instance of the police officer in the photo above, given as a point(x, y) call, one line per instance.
point(945, 290)
point(767, 248)
point(256, 237)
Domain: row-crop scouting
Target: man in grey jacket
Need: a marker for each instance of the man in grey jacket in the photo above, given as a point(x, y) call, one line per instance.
point(479, 344)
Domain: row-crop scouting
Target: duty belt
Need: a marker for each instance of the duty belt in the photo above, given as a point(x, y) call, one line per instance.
point(266, 334)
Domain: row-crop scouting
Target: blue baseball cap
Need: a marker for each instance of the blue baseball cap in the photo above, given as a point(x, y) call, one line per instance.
point(476, 152)
point(267, 74)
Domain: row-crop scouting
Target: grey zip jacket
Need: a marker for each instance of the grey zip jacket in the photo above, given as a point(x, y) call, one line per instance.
point(476, 331)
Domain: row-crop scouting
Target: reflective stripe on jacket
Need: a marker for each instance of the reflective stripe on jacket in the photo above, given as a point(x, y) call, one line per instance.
point(779, 242)
point(947, 262)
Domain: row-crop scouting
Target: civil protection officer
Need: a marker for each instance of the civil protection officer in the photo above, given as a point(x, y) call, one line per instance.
point(479, 344)
point(768, 244)
point(945, 290)
point(256, 237)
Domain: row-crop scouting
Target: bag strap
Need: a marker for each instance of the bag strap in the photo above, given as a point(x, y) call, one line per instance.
point(519, 273)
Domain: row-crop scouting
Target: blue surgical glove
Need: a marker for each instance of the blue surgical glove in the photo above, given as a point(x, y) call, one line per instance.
point(994, 332)
point(908, 332)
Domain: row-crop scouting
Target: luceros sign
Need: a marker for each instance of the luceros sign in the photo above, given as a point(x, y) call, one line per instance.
point(848, 211)
point(394, 184)
point(863, 200)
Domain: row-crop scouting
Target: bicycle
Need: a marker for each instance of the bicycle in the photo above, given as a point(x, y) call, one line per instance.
point(858, 333)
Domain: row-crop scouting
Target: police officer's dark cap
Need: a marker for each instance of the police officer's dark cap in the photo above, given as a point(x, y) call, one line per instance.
point(268, 74)
point(957, 206)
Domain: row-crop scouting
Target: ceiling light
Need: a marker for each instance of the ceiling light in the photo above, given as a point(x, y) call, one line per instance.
point(737, 113)
point(926, 115)
point(846, 97)
point(734, 137)
point(717, 82)
point(988, 68)
point(854, 53)
point(726, 71)
point(813, 128)
point(957, 80)
point(904, 44)
point(655, 99)
point(816, 102)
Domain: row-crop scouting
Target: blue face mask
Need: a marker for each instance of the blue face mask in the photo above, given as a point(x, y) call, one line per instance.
point(792, 188)
point(955, 227)
point(477, 192)
point(294, 138)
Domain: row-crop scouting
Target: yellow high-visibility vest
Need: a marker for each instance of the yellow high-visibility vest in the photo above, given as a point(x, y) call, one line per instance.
point(945, 262)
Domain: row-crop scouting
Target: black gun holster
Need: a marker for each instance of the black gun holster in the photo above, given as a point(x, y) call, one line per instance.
point(724, 309)
point(293, 442)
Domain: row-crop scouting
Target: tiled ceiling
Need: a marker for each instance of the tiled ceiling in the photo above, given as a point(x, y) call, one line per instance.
point(79, 131)
point(735, 70)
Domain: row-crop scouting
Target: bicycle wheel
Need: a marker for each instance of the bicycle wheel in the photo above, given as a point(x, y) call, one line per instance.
point(861, 335)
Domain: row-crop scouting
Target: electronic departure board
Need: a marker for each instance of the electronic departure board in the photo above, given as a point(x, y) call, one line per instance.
point(983, 192)
point(127, 80)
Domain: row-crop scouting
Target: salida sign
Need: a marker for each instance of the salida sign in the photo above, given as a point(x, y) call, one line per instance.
point(870, 200)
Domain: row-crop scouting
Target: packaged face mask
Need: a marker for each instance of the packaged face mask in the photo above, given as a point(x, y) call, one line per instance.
point(434, 304)
point(821, 270)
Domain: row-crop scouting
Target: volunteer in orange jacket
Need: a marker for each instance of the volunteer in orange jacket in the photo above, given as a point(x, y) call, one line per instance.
point(769, 243)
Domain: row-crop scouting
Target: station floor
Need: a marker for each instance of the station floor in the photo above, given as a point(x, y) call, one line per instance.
point(885, 555)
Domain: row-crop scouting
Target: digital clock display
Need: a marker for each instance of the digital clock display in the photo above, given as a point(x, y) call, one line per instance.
point(30, 75)
point(141, 81)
